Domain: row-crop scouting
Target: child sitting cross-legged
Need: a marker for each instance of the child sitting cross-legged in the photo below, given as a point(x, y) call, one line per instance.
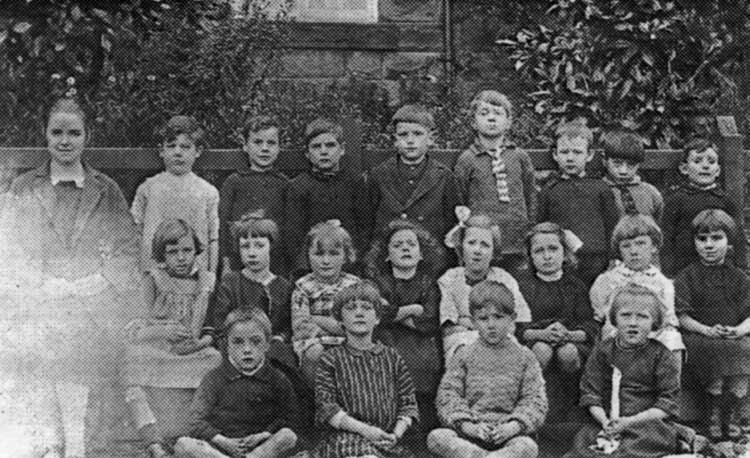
point(364, 394)
point(245, 408)
point(631, 386)
point(492, 396)
point(636, 240)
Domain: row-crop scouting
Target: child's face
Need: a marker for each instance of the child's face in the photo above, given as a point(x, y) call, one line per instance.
point(255, 253)
point(262, 148)
point(621, 170)
point(547, 253)
point(404, 250)
point(637, 253)
point(359, 318)
point(179, 154)
point(492, 326)
point(701, 169)
point(491, 120)
point(712, 247)
point(478, 247)
point(634, 318)
point(412, 141)
point(572, 155)
point(66, 137)
point(326, 260)
point(325, 152)
point(247, 346)
point(179, 257)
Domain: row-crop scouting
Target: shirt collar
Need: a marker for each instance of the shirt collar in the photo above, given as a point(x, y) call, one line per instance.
point(565, 176)
point(78, 176)
point(374, 350)
point(628, 272)
point(478, 149)
point(713, 189)
point(635, 181)
point(232, 373)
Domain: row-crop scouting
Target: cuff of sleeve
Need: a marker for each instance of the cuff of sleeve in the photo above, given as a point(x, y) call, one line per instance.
point(407, 420)
point(667, 406)
point(457, 418)
point(588, 400)
point(337, 419)
point(526, 426)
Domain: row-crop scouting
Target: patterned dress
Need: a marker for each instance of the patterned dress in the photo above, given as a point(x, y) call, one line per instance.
point(153, 362)
point(372, 386)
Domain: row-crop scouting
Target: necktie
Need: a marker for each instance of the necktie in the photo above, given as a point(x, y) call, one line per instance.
point(501, 177)
point(628, 203)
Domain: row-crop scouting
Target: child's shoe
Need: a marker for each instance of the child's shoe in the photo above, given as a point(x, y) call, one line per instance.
point(734, 430)
point(157, 450)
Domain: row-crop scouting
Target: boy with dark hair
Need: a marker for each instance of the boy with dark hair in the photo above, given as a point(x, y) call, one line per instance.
point(259, 187)
point(412, 185)
point(701, 191)
point(325, 192)
point(623, 154)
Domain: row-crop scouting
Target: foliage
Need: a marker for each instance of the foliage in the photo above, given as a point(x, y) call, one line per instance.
point(134, 63)
point(649, 64)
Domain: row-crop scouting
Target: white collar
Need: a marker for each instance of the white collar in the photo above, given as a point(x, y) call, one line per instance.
point(76, 175)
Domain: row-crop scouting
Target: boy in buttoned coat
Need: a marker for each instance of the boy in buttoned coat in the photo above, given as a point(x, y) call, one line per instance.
point(412, 185)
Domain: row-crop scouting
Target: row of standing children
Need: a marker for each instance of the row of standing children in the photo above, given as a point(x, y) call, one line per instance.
point(411, 186)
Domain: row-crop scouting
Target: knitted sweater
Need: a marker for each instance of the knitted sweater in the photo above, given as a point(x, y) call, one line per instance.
point(493, 384)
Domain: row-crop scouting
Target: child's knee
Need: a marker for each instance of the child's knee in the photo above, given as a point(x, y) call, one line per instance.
point(738, 386)
point(286, 438)
point(185, 447)
point(523, 447)
point(543, 353)
point(439, 437)
point(569, 358)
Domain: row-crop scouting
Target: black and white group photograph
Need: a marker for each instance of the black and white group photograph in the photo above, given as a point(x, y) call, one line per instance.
point(374, 229)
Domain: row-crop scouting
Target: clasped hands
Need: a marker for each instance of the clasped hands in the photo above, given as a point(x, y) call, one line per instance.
point(494, 434)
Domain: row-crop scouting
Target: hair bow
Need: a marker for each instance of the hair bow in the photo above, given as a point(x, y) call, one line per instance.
point(253, 215)
point(571, 239)
point(334, 222)
point(463, 214)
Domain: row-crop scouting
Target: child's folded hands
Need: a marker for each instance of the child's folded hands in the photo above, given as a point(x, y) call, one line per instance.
point(249, 443)
point(481, 431)
point(505, 431)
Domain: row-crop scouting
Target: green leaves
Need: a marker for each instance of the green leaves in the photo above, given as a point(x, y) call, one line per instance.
point(646, 62)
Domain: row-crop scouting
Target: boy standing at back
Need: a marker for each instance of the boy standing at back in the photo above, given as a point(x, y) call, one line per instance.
point(623, 154)
point(583, 204)
point(258, 188)
point(412, 185)
point(323, 193)
point(495, 178)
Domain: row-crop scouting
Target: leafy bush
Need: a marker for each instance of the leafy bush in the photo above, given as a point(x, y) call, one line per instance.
point(651, 64)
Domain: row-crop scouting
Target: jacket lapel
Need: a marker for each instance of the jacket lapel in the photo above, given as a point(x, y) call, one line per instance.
point(389, 181)
point(91, 195)
point(45, 195)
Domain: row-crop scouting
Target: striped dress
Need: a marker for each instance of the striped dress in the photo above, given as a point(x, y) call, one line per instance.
point(372, 386)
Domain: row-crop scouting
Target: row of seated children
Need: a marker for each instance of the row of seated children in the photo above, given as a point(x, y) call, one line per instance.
point(557, 323)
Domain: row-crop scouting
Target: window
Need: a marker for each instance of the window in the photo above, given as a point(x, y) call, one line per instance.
point(356, 11)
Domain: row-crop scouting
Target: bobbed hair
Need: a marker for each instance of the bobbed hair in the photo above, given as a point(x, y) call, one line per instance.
point(169, 232)
point(491, 293)
point(491, 97)
point(569, 257)
point(483, 222)
point(632, 226)
point(253, 225)
point(328, 233)
point(712, 220)
point(633, 289)
point(365, 290)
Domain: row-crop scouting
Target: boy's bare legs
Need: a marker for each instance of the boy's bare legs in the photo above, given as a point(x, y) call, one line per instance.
point(73, 400)
point(543, 353)
point(568, 358)
point(446, 443)
point(276, 446)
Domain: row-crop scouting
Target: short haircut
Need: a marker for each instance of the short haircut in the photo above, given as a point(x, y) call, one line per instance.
point(697, 145)
point(254, 225)
point(712, 220)
point(257, 124)
point(633, 289)
point(169, 232)
point(493, 98)
point(491, 293)
point(569, 257)
point(67, 105)
point(182, 125)
point(623, 144)
point(632, 226)
point(247, 315)
point(575, 129)
point(483, 222)
point(415, 114)
point(365, 290)
point(321, 126)
point(330, 232)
